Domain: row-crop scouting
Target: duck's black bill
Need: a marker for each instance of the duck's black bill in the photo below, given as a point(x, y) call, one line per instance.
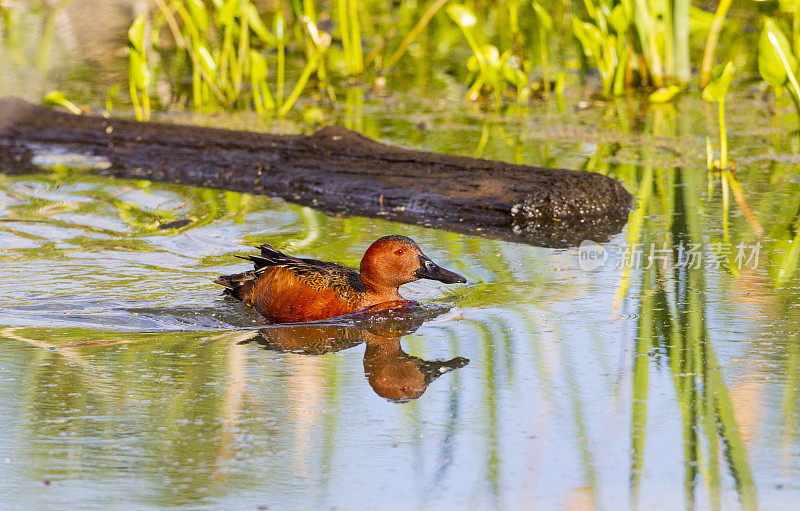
point(430, 270)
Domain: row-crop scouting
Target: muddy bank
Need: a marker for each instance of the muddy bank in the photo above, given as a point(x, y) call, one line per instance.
point(335, 170)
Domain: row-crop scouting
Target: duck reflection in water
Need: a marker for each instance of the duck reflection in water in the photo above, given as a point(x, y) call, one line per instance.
point(391, 372)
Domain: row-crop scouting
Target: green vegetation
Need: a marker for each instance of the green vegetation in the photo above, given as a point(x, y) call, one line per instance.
point(139, 77)
point(245, 55)
point(57, 97)
point(629, 44)
point(224, 47)
point(716, 90)
point(777, 62)
point(490, 70)
point(626, 38)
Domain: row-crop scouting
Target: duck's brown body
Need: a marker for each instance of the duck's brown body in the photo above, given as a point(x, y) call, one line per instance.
point(289, 289)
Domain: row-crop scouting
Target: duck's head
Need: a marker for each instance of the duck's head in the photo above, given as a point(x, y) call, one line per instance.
point(392, 261)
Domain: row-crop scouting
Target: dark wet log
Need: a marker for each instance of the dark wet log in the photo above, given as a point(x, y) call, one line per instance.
point(337, 171)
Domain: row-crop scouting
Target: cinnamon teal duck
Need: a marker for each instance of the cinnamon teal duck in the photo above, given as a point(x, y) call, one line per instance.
point(287, 289)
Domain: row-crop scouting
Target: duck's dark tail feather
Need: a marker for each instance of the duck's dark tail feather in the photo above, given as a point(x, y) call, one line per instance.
point(240, 285)
point(269, 257)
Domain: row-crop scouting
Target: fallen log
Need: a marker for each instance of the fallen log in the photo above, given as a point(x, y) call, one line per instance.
point(336, 171)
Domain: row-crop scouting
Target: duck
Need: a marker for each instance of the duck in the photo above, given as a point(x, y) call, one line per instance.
point(288, 289)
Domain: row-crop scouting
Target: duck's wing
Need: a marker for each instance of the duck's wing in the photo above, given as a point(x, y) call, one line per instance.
point(320, 275)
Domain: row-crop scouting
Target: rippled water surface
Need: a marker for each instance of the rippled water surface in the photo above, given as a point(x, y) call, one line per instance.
point(670, 382)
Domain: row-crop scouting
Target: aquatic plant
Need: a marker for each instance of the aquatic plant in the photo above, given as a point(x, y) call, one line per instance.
point(490, 69)
point(623, 36)
point(350, 32)
point(57, 97)
point(777, 62)
point(665, 94)
point(223, 46)
point(139, 75)
point(714, 29)
point(607, 50)
point(716, 90)
point(321, 41)
point(412, 34)
point(239, 54)
point(230, 52)
point(544, 29)
point(111, 96)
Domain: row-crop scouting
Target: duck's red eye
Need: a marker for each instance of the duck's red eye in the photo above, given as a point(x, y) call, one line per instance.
point(399, 251)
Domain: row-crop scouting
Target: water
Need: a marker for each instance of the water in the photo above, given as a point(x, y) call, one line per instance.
point(127, 379)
